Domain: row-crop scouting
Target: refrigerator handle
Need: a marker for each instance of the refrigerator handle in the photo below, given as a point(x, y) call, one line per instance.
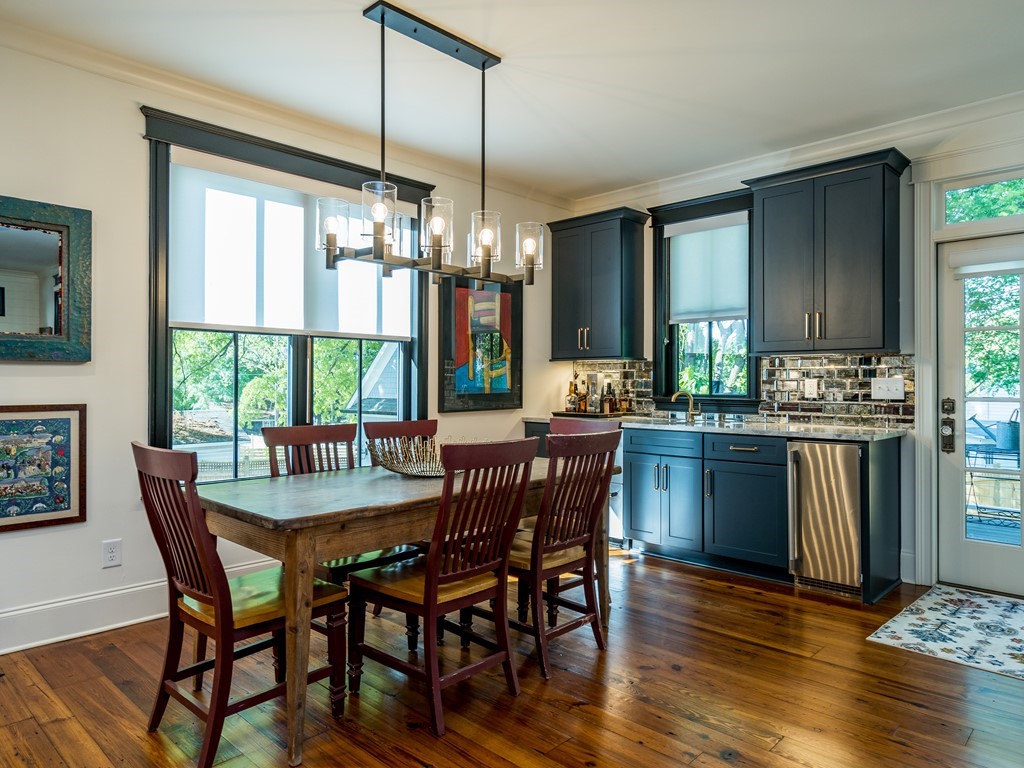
point(793, 507)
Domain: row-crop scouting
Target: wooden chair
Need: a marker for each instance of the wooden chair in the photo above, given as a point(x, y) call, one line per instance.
point(467, 564)
point(579, 471)
point(319, 448)
point(226, 610)
point(563, 426)
point(388, 434)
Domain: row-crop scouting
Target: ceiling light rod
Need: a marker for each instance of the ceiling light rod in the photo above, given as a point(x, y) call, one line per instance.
point(432, 36)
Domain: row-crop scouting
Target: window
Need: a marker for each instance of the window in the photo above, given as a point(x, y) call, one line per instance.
point(985, 201)
point(702, 265)
point(259, 331)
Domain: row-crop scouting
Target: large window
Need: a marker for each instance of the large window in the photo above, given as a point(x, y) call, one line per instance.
point(702, 264)
point(258, 331)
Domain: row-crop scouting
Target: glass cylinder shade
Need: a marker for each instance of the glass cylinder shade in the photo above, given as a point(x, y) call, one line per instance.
point(332, 223)
point(530, 244)
point(486, 236)
point(380, 205)
point(436, 224)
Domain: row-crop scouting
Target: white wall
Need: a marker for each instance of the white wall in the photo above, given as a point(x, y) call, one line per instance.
point(75, 138)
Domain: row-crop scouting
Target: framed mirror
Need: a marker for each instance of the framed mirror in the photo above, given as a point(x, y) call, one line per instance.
point(45, 281)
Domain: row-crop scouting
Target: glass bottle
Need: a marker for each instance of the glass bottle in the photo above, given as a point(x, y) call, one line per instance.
point(572, 399)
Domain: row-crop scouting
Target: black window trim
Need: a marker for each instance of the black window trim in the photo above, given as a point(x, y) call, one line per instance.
point(663, 384)
point(166, 129)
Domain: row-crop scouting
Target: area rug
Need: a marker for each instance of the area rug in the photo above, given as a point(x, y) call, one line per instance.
point(972, 628)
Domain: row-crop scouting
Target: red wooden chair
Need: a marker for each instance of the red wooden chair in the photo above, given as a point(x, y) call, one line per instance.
point(579, 471)
point(226, 610)
point(305, 449)
point(563, 426)
point(389, 434)
point(467, 564)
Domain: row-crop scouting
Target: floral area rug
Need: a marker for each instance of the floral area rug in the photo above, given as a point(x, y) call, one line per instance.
point(973, 628)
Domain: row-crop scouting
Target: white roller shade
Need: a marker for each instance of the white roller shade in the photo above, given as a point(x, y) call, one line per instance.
point(708, 268)
point(985, 256)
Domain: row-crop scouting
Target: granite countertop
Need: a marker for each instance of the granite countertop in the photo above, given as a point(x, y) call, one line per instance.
point(756, 426)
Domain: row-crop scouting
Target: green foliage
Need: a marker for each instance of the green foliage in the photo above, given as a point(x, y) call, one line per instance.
point(336, 378)
point(992, 357)
point(713, 357)
point(987, 201)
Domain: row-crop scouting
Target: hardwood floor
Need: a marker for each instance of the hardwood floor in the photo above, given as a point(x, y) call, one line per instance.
point(704, 669)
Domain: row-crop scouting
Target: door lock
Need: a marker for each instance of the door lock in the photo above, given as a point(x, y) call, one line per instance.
point(947, 442)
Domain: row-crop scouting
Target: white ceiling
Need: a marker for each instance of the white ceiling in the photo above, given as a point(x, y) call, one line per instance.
point(591, 96)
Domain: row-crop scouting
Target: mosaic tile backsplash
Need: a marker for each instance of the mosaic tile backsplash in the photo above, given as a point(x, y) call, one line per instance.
point(843, 389)
point(632, 377)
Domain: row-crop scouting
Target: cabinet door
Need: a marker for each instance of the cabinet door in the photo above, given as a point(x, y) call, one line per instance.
point(604, 261)
point(745, 513)
point(782, 279)
point(683, 522)
point(569, 294)
point(642, 510)
point(849, 255)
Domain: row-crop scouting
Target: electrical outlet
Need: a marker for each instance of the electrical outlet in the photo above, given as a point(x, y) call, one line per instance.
point(891, 388)
point(111, 553)
point(811, 389)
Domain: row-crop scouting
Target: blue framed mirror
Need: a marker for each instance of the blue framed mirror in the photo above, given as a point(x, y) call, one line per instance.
point(45, 282)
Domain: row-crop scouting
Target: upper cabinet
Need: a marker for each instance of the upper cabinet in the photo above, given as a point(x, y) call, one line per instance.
point(597, 286)
point(825, 262)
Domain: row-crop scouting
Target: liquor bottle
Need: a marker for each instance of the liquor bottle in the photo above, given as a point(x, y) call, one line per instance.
point(581, 399)
point(572, 403)
point(608, 403)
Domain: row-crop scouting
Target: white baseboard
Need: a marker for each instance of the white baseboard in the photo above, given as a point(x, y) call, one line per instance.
point(44, 623)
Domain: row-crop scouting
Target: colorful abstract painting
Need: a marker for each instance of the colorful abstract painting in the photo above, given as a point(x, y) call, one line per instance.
point(41, 465)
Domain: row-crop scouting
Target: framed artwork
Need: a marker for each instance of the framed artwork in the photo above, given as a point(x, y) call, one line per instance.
point(42, 465)
point(481, 358)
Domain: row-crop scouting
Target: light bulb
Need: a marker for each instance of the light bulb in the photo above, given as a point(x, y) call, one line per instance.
point(529, 246)
point(331, 225)
point(379, 211)
point(437, 225)
point(486, 236)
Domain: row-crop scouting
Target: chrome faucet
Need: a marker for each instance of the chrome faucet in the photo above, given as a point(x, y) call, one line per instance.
point(691, 412)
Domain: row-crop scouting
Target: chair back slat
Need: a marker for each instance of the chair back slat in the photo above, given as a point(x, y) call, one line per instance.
point(188, 549)
point(474, 530)
point(388, 436)
point(579, 472)
point(570, 426)
point(305, 449)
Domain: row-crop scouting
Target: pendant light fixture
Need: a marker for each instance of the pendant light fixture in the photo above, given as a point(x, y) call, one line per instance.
point(380, 198)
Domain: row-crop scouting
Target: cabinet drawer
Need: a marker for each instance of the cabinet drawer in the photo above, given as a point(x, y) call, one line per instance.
point(666, 443)
point(749, 448)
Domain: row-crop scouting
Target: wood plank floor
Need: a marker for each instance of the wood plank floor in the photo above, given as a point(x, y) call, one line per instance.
point(703, 668)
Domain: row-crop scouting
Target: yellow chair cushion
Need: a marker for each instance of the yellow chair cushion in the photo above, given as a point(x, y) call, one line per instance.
point(406, 581)
point(258, 597)
point(522, 544)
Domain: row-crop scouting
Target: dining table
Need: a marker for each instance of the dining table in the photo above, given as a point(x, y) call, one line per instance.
point(302, 520)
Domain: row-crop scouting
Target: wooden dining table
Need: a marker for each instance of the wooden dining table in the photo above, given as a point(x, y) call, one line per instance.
point(303, 520)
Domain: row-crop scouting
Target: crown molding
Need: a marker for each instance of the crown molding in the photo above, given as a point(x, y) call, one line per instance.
point(915, 137)
point(365, 147)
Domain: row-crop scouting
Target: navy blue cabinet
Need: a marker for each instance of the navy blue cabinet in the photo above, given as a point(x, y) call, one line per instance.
point(597, 286)
point(662, 487)
point(745, 498)
point(825, 258)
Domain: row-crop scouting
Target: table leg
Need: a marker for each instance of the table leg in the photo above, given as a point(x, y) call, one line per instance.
point(604, 599)
point(298, 564)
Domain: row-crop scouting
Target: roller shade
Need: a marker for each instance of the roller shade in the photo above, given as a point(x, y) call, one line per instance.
point(708, 268)
point(987, 256)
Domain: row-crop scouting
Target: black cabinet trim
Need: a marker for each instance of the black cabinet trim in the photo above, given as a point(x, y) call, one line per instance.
point(891, 157)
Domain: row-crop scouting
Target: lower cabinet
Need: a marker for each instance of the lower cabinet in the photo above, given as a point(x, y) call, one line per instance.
point(663, 500)
point(662, 487)
point(745, 512)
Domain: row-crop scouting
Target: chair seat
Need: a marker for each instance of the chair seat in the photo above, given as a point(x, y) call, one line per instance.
point(338, 570)
point(258, 597)
point(406, 580)
point(522, 544)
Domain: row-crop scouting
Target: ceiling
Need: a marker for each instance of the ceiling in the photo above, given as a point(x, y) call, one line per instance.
point(591, 96)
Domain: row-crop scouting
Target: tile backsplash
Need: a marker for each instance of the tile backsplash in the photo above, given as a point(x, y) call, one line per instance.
point(632, 377)
point(843, 389)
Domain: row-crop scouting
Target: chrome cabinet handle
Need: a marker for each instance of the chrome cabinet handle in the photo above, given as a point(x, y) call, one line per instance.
point(657, 469)
point(817, 326)
point(586, 338)
point(792, 510)
point(745, 448)
point(664, 477)
point(707, 482)
point(807, 325)
point(579, 338)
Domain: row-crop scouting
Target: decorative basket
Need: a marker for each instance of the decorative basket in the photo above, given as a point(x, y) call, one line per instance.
point(416, 456)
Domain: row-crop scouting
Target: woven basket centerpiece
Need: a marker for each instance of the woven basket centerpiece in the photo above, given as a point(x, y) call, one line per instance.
point(417, 456)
